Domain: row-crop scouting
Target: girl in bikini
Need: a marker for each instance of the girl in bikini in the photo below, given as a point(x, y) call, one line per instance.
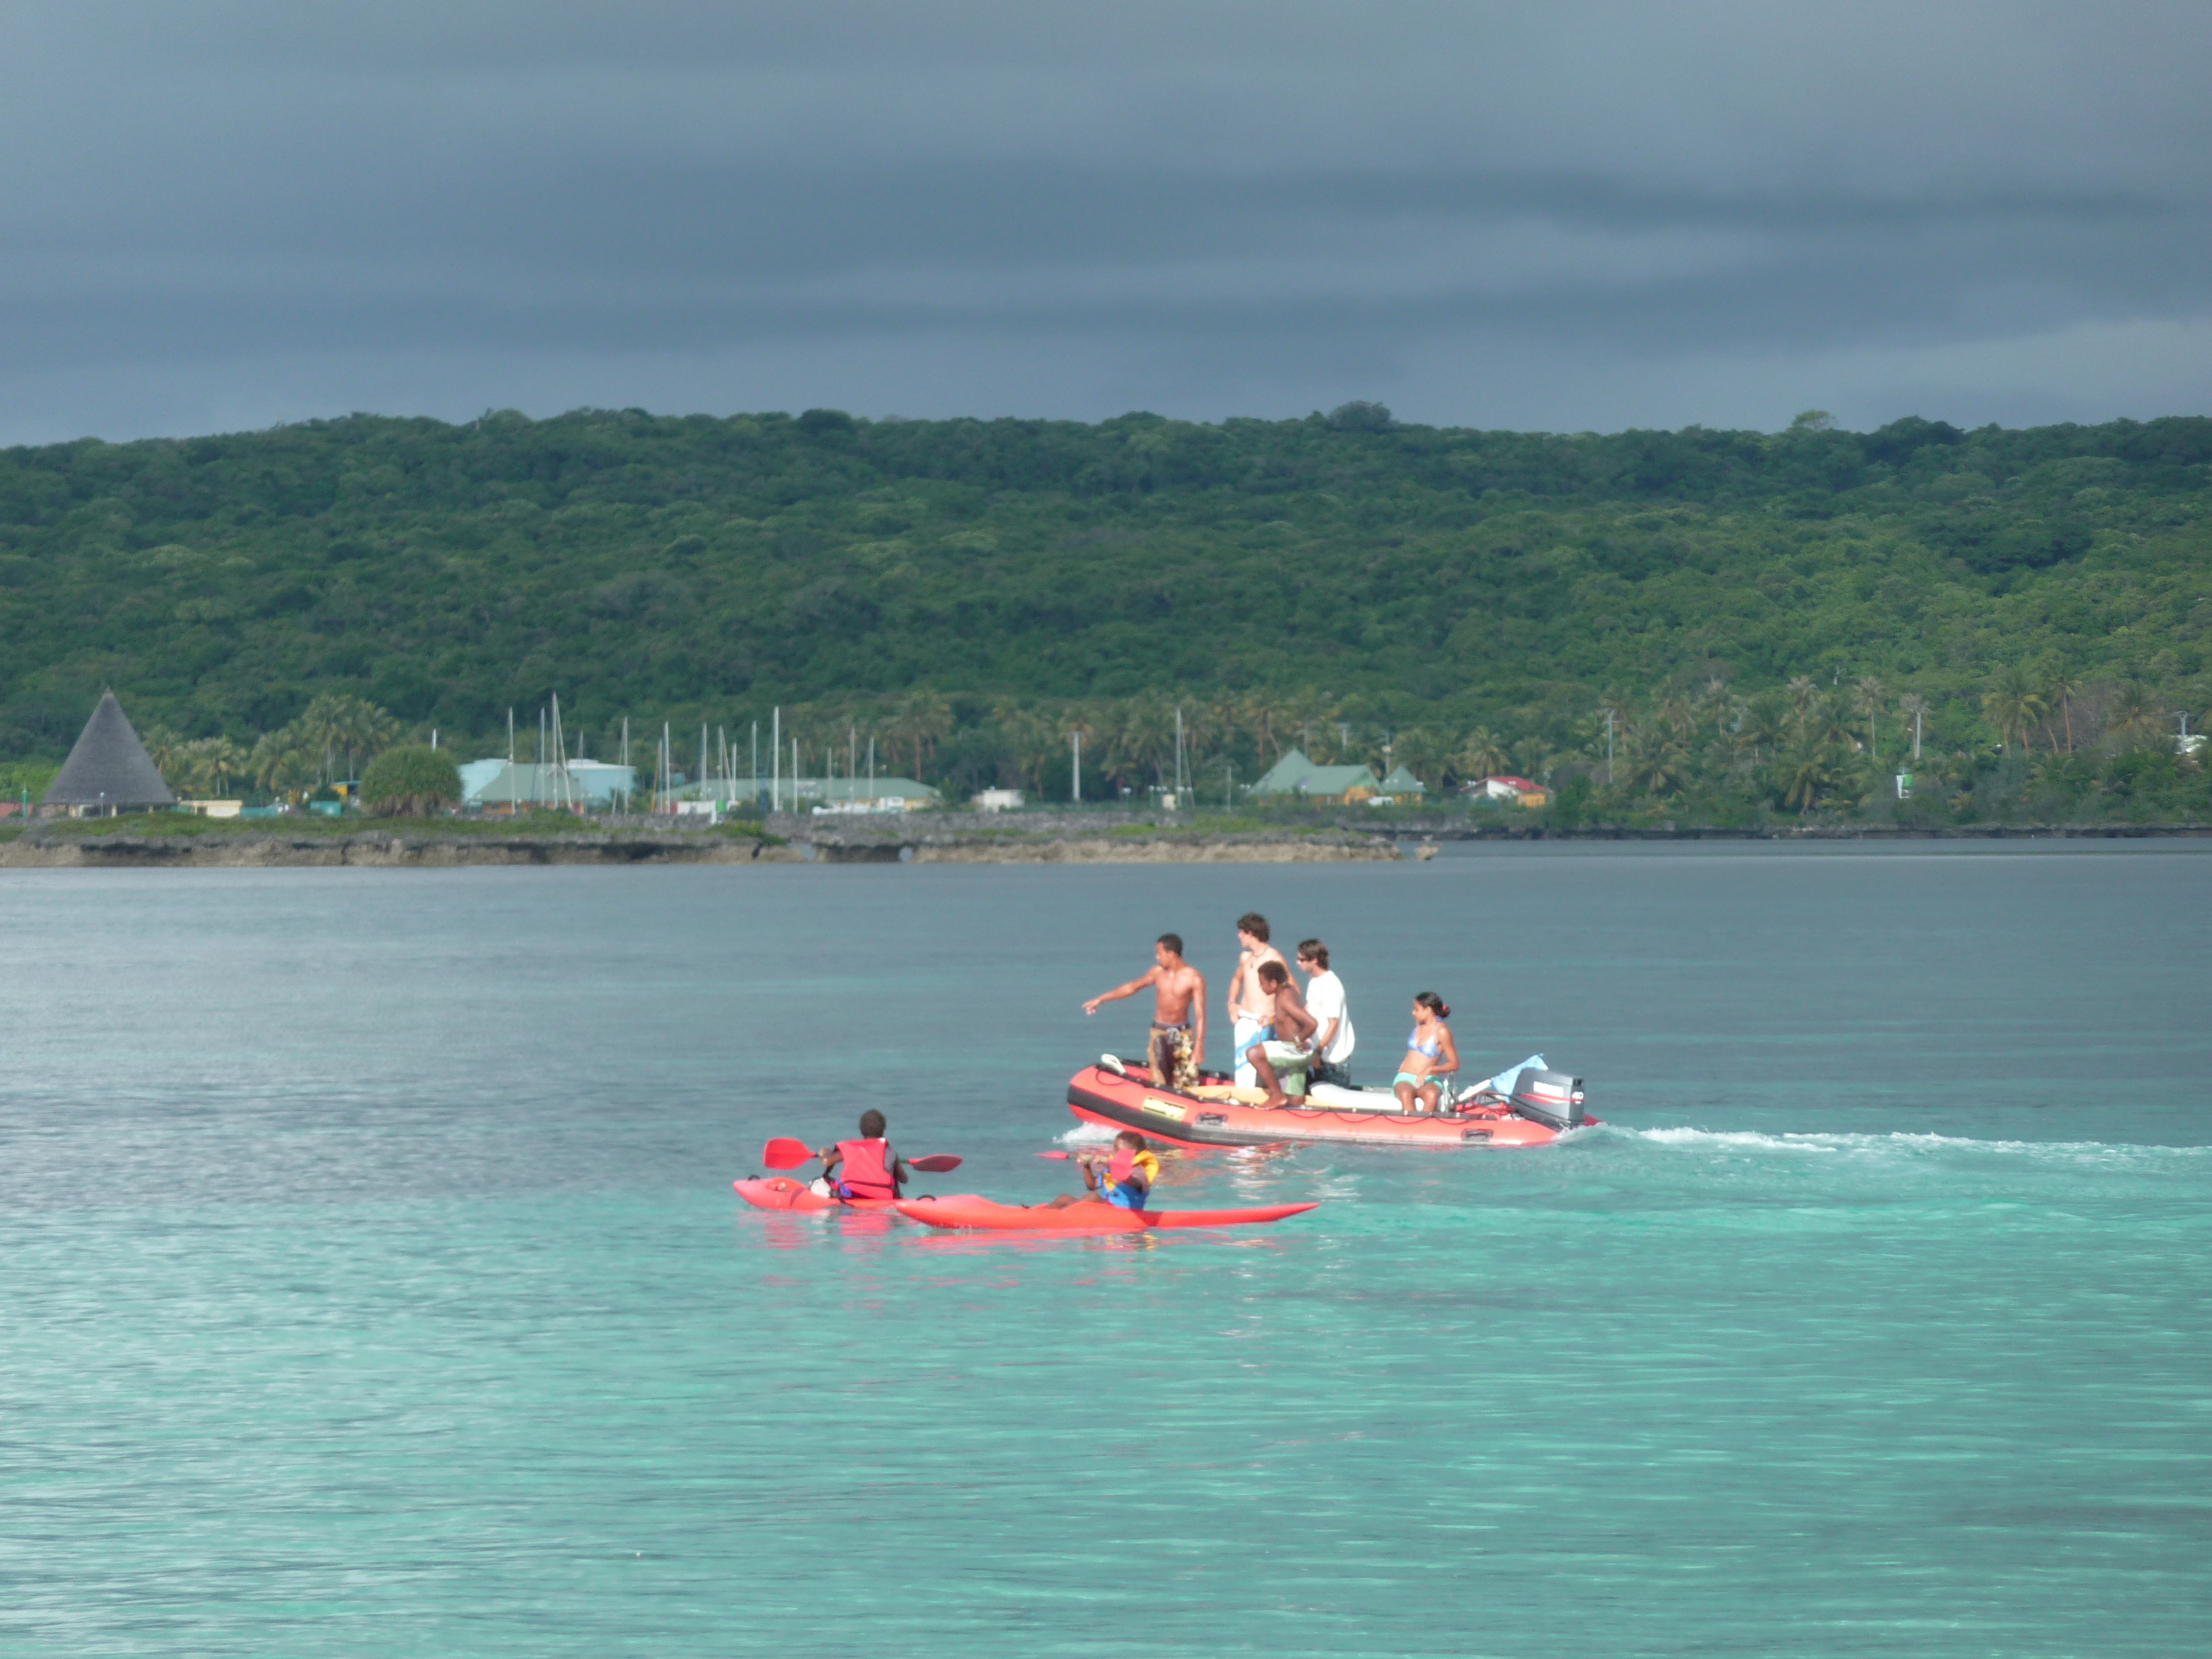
point(1430, 1056)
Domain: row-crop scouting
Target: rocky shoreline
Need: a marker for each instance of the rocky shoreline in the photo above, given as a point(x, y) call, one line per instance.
point(58, 848)
point(1039, 838)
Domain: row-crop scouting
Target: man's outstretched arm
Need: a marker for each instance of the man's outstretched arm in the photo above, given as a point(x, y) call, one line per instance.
point(1120, 991)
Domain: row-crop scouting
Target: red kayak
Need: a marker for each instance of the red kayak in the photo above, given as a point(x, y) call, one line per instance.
point(782, 1192)
point(1539, 1112)
point(968, 1210)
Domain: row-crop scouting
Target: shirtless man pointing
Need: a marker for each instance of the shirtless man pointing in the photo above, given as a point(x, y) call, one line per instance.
point(1177, 1046)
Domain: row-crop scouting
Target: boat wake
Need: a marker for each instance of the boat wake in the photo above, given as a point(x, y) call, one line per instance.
point(1820, 1144)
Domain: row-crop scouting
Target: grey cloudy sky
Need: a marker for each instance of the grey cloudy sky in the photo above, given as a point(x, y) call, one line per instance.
point(1575, 216)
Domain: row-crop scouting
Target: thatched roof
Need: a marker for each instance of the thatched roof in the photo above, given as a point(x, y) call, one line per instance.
point(109, 767)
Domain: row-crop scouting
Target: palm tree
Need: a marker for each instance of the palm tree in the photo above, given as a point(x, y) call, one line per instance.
point(924, 719)
point(1613, 714)
point(1718, 702)
point(2135, 718)
point(1913, 707)
point(1762, 726)
point(1802, 695)
point(1144, 738)
point(1659, 767)
point(323, 725)
point(1866, 696)
point(2061, 687)
point(1808, 773)
point(1425, 752)
point(1677, 714)
point(165, 749)
point(1483, 754)
point(1304, 714)
point(283, 760)
point(2012, 705)
point(1262, 716)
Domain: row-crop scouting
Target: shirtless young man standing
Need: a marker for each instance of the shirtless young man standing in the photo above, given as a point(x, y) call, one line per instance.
point(1249, 1005)
point(1177, 1046)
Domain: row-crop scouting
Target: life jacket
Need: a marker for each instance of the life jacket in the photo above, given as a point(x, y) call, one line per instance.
point(862, 1172)
point(1118, 1189)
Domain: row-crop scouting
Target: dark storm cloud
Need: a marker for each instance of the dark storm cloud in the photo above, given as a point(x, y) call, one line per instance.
point(1569, 216)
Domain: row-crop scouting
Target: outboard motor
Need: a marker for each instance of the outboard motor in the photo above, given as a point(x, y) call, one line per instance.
point(1551, 1098)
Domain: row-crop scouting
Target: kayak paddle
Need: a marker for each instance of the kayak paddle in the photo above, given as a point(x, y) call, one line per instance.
point(785, 1153)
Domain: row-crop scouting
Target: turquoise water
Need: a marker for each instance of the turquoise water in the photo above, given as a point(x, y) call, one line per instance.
point(373, 1285)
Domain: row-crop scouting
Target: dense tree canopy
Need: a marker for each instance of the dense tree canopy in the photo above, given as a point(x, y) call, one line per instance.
point(1367, 572)
point(410, 781)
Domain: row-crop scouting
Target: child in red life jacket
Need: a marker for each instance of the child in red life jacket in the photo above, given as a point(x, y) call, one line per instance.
point(1125, 1180)
point(866, 1168)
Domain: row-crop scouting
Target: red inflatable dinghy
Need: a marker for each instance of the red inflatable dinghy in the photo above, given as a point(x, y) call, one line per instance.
point(968, 1210)
point(782, 1192)
point(1129, 1099)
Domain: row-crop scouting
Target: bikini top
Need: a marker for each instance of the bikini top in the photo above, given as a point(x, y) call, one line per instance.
point(1434, 1047)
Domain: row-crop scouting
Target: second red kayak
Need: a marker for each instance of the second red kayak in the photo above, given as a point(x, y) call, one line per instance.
point(969, 1210)
point(782, 1192)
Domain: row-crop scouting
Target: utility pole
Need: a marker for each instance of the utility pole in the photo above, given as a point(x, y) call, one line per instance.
point(776, 759)
point(1076, 738)
point(755, 779)
point(1608, 748)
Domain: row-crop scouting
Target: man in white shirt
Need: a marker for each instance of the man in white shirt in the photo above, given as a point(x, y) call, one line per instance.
point(1333, 1037)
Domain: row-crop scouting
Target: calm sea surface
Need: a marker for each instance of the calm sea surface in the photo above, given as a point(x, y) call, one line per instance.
point(370, 1282)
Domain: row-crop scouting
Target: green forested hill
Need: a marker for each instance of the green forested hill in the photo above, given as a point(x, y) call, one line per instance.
point(1345, 569)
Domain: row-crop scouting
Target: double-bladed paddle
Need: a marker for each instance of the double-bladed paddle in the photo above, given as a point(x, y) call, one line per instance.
point(785, 1153)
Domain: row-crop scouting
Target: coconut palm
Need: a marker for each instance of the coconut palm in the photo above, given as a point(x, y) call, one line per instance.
point(1304, 714)
point(1425, 752)
point(1802, 695)
point(1483, 754)
point(1677, 714)
point(1762, 726)
point(1143, 741)
point(165, 749)
point(1714, 695)
point(283, 761)
point(1659, 767)
point(1263, 715)
point(1613, 716)
point(2135, 718)
point(1866, 699)
point(1806, 775)
point(1913, 708)
point(2061, 687)
point(2013, 705)
point(209, 763)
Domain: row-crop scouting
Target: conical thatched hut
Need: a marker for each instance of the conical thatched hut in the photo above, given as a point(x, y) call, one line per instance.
point(109, 769)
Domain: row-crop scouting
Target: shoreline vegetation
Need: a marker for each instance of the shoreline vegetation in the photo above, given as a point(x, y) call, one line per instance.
point(1728, 630)
point(168, 841)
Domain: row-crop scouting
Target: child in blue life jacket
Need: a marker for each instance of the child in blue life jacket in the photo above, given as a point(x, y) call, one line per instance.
point(1124, 1179)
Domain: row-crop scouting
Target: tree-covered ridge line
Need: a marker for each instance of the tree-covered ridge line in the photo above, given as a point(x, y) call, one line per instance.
point(698, 569)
